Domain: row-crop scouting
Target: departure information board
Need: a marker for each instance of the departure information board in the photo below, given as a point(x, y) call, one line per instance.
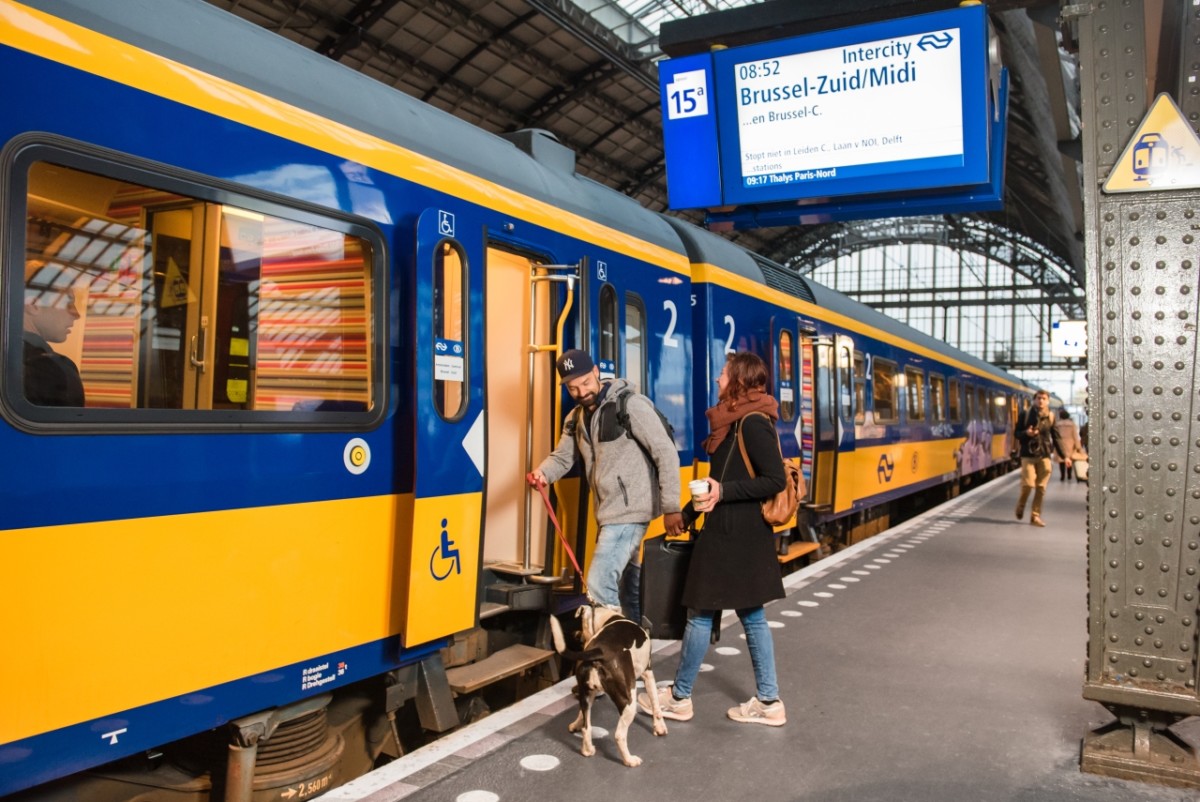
point(886, 107)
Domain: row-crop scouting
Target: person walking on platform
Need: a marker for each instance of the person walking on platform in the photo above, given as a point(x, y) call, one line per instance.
point(1039, 439)
point(633, 472)
point(733, 565)
point(1068, 438)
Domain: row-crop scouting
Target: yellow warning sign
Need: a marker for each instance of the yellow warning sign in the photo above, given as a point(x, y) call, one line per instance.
point(1164, 153)
point(175, 291)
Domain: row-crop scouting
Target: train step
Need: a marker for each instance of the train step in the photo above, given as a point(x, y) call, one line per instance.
point(504, 663)
point(798, 549)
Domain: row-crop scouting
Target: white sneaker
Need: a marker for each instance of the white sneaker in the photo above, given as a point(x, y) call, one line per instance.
point(672, 708)
point(755, 712)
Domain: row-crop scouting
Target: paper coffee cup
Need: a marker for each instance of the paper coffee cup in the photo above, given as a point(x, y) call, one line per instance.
point(698, 487)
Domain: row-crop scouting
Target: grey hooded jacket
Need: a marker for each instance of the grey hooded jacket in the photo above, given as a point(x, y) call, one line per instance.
point(633, 480)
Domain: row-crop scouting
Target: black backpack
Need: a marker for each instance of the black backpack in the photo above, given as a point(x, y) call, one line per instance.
point(611, 429)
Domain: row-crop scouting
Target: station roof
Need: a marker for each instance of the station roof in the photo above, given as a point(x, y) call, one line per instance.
point(586, 71)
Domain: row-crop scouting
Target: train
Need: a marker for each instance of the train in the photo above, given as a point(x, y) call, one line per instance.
point(265, 524)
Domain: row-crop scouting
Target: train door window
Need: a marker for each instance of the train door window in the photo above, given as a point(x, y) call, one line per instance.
point(635, 341)
point(449, 315)
point(786, 373)
point(969, 393)
point(914, 389)
point(610, 334)
point(142, 292)
point(937, 398)
point(954, 396)
point(845, 383)
point(883, 378)
point(981, 405)
point(860, 387)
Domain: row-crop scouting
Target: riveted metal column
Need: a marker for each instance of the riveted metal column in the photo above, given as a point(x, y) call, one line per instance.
point(1144, 487)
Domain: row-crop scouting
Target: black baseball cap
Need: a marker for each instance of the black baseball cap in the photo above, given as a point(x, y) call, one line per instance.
point(574, 363)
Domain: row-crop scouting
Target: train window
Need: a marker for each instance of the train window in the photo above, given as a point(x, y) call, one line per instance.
point(785, 370)
point(635, 341)
point(999, 408)
point(980, 410)
point(449, 314)
point(969, 394)
point(860, 387)
point(883, 377)
point(845, 383)
point(141, 292)
point(937, 398)
point(954, 396)
point(914, 388)
point(609, 331)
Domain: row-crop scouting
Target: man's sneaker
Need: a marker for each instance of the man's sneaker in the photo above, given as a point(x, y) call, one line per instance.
point(755, 712)
point(672, 708)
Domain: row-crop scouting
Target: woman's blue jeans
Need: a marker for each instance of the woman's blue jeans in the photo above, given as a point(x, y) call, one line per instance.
point(696, 637)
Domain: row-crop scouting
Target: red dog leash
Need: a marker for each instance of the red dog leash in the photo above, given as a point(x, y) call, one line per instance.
point(558, 529)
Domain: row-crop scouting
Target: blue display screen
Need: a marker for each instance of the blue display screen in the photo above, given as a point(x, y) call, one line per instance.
point(873, 109)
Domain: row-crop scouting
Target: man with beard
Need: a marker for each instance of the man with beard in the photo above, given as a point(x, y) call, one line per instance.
point(633, 471)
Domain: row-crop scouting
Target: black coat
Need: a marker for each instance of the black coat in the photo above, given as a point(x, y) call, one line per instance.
point(734, 564)
point(51, 379)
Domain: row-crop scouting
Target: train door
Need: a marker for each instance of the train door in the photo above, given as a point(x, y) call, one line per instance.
point(522, 320)
point(448, 444)
point(208, 260)
point(822, 366)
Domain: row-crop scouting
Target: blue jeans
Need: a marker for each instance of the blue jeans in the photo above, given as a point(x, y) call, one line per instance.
point(696, 637)
point(615, 568)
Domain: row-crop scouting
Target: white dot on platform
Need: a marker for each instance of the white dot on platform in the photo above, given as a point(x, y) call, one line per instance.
point(728, 650)
point(839, 587)
point(807, 603)
point(820, 594)
point(849, 579)
point(791, 613)
point(880, 560)
point(706, 667)
point(597, 733)
point(539, 762)
point(477, 796)
point(776, 624)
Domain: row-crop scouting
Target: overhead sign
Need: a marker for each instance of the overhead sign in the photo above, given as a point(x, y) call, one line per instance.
point(1068, 339)
point(1164, 153)
point(887, 107)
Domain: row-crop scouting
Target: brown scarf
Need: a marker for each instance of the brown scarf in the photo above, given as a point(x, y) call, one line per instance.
point(722, 416)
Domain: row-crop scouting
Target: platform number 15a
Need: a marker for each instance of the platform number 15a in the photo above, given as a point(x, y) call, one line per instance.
point(687, 95)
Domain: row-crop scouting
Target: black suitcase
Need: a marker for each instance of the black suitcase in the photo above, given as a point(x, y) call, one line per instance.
point(664, 573)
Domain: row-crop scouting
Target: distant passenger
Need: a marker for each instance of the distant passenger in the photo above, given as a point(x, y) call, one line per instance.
point(734, 565)
point(1072, 446)
point(51, 379)
point(1039, 439)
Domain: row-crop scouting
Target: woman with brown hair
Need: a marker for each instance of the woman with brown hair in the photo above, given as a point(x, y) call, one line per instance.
point(734, 565)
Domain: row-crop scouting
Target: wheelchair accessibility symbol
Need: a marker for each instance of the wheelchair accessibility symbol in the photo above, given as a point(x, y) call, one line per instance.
point(444, 559)
point(445, 223)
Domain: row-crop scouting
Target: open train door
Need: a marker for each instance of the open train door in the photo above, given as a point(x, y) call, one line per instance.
point(819, 383)
point(448, 438)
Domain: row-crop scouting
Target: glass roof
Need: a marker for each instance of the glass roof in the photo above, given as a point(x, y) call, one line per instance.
point(637, 21)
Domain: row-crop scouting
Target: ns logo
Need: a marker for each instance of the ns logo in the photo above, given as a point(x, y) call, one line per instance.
point(885, 468)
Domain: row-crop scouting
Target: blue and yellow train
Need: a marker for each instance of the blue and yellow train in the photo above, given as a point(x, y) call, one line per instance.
point(276, 354)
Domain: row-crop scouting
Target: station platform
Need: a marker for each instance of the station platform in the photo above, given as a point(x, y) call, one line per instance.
point(940, 661)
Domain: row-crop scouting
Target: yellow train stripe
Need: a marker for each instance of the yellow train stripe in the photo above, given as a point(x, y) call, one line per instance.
point(108, 616)
point(708, 273)
point(58, 40)
point(862, 474)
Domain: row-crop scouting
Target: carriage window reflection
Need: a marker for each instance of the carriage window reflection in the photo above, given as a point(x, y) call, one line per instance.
point(914, 387)
point(937, 398)
point(786, 371)
point(883, 379)
point(157, 300)
point(635, 345)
